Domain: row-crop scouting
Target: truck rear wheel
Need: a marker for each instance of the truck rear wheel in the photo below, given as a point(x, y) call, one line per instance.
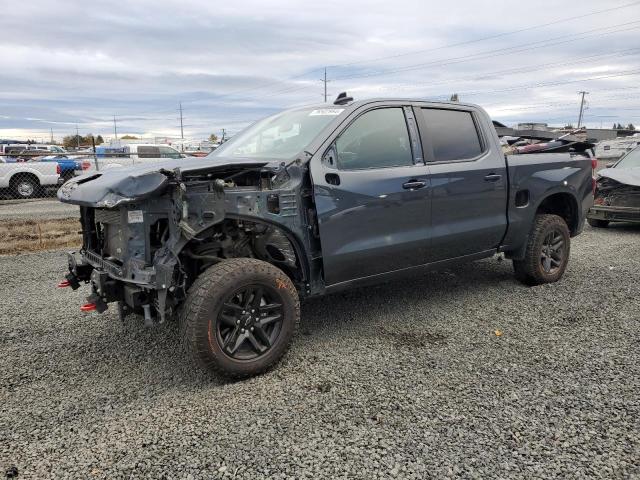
point(547, 253)
point(239, 317)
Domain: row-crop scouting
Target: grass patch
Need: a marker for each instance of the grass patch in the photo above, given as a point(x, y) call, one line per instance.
point(20, 236)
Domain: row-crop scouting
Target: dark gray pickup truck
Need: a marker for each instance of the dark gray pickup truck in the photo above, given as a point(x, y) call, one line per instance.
point(310, 201)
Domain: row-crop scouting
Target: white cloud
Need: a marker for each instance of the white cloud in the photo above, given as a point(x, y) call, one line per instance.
point(83, 62)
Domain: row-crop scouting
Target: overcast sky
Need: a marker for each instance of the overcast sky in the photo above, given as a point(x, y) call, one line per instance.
point(229, 63)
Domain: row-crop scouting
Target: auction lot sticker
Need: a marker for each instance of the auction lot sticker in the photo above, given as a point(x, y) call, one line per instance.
point(326, 111)
point(135, 216)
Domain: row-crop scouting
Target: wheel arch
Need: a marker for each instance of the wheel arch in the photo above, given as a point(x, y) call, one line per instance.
point(19, 175)
point(565, 205)
point(558, 201)
point(301, 257)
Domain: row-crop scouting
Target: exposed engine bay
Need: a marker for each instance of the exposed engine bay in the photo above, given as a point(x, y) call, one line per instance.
point(148, 238)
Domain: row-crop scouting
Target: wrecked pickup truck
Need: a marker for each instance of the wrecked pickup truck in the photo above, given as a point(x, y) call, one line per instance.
point(617, 194)
point(311, 201)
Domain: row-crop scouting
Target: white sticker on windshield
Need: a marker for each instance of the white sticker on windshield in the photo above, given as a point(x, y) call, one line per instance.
point(135, 216)
point(327, 111)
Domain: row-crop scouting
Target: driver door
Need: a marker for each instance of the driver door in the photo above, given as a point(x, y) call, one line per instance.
point(371, 190)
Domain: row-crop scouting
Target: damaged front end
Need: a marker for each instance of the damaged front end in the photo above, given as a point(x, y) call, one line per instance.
point(147, 234)
point(616, 197)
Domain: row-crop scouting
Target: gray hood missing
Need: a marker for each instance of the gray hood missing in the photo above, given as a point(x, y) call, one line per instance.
point(628, 176)
point(114, 186)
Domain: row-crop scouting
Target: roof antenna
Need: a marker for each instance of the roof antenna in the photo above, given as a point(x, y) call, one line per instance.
point(342, 99)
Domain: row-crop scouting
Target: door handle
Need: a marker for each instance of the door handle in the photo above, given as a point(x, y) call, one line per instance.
point(492, 177)
point(412, 184)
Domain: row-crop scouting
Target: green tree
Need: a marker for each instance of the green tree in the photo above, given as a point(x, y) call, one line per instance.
point(72, 141)
point(99, 140)
point(631, 127)
point(128, 137)
point(213, 138)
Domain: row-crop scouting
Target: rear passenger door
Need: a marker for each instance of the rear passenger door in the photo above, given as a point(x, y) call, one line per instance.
point(468, 177)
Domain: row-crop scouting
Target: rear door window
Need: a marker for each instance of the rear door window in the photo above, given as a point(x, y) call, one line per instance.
point(452, 134)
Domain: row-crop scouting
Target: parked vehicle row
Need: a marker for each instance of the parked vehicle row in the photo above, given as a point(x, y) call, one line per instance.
point(107, 157)
point(611, 150)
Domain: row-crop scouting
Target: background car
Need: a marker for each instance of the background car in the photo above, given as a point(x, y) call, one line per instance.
point(617, 192)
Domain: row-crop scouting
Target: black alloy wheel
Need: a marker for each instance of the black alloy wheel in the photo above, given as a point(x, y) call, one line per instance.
point(552, 253)
point(250, 321)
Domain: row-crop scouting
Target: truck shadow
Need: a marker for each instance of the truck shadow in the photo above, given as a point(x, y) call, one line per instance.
point(416, 296)
point(620, 228)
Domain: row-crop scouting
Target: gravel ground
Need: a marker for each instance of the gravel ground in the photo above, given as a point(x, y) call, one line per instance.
point(37, 209)
point(461, 373)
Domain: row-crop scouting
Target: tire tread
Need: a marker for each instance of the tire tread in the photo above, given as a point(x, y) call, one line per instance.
point(195, 336)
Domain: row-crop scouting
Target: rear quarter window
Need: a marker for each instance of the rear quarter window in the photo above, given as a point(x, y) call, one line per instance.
point(148, 152)
point(452, 134)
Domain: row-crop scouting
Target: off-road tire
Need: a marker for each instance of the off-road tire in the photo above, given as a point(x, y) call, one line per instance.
point(594, 222)
point(203, 305)
point(530, 270)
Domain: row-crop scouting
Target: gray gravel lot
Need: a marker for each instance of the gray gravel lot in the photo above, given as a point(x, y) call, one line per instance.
point(405, 380)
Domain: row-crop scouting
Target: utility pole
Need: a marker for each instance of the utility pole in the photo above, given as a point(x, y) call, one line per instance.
point(583, 93)
point(115, 128)
point(223, 135)
point(51, 136)
point(77, 138)
point(325, 81)
point(181, 129)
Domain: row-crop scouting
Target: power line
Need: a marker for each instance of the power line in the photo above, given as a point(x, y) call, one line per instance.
point(550, 84)
point(563, 20)
point(525, 69)
point(535, 85)
point(490, 37)
point(497, 52)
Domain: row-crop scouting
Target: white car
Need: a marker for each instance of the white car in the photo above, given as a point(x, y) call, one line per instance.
point(127, 155)
point(28, 179)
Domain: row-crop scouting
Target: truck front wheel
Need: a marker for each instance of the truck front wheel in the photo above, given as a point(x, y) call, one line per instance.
point(547, 252)
point(239, 317)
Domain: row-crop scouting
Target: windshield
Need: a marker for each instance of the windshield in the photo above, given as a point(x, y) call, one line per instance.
point(279, 136)
point(631, 160)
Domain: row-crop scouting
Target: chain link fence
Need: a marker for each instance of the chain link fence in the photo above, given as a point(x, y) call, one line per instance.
point(31, 217)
